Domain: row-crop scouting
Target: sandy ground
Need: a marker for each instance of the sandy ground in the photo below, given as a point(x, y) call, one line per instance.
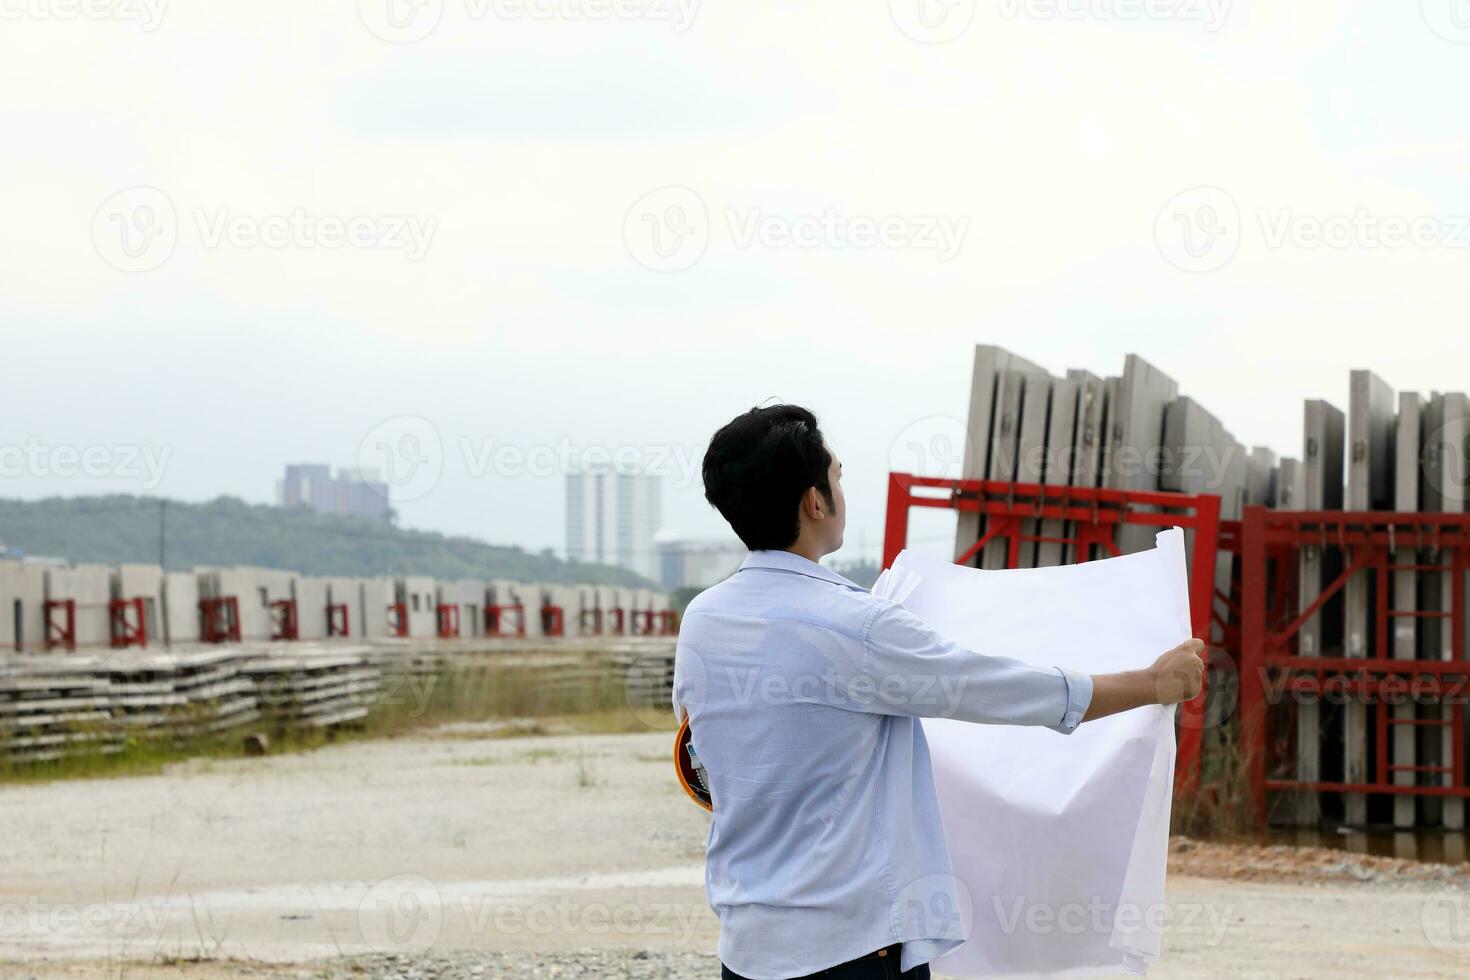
point(462, 856)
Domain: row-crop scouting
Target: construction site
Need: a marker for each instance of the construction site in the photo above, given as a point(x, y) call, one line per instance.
point(1330, 581)
point(102, 655)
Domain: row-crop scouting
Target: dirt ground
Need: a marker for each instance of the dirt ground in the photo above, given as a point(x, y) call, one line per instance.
point(453, 854)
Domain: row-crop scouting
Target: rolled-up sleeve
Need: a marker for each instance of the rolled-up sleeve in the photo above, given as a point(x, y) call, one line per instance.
point(911, 670)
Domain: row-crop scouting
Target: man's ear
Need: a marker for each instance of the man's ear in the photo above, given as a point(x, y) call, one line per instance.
point(815, 505)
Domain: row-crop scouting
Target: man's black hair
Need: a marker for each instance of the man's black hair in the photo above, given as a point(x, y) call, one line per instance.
point(758, 466)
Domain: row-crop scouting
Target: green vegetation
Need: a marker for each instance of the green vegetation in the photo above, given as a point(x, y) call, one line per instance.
point(227, 531)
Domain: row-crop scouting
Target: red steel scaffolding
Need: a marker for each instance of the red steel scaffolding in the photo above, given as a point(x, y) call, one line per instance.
point(1372, 543)
point(1093, 517)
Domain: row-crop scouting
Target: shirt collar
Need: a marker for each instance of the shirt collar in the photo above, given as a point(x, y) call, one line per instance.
point(785, 561)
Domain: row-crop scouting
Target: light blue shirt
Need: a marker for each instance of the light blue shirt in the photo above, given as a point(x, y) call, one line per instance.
point(803, 692)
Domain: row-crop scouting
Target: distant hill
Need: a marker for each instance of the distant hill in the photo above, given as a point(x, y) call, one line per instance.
point(227, 531)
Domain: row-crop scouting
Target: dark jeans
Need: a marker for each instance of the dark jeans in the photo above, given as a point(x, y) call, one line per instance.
point(882, 965)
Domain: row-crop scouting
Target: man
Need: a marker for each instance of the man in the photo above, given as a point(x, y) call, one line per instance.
point(803, 693)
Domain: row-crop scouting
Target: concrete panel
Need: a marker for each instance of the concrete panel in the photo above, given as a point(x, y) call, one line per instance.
point(378, 594)
point(535, 596)
point(1260, 474)
point(143, 582)
point(988, 370)
point(342, 590)
point(418, 593)
point(1371, 411)
point(1446, 436)
point(1135, 433)
point(181, 608)
point(1057, 458)
point(1089, 436)
point(1005, 438)
point(1291, 484)
point(22, 594)
point(90, 586)
point(1408, 444)
point(1031, 451)
point(311, 606)
point(1323, 432)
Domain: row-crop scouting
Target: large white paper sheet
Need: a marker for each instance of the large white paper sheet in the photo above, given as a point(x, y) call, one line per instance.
point(1059, 842)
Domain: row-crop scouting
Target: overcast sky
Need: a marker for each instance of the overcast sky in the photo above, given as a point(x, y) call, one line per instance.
point(492, 235)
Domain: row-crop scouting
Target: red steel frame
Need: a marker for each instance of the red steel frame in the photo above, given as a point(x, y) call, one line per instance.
point(447, 620)
point(553, 620)
point(398, 619)
point(495, 617)
point(617, 621)
point(129, 622)
point(284, 623)
point(1095, 515)
point(219, 619)
point(338, 621)
point(60, 632)
point(1368, 541)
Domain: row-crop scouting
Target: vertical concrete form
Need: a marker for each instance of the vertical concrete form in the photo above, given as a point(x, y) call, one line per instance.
point(181, 605)
point(1135, 434)
point(1291, 484)
point(533, 594)
point(143, 582)
point(1409, 441)
point(1031, 451)
point(90, 587)
point(378, 594)
point(1322, 483)
point(344, 591)
point(418, 594)
point(1057, 458)
point(23, 594)
point(986, 378)
point(1005, 437)
point(1447, 435)
point(1371, 410)
point(1088, 436)
point(1260, 485)
point(311, 606)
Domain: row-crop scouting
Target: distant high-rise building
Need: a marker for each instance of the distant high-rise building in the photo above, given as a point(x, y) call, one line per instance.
point(612, 516)
point(359, 493)
point(697, 563)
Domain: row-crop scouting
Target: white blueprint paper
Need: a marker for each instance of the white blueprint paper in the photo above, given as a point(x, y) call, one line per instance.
point(1059, 842)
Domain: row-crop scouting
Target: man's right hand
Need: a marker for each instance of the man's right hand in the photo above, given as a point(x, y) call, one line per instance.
point(1179, 674)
